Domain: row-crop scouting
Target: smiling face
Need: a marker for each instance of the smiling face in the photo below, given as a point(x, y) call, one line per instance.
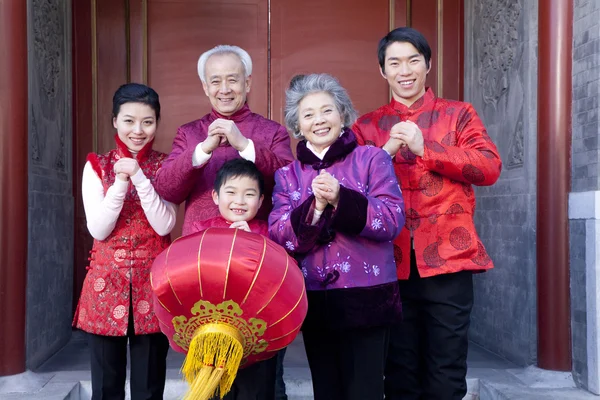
point(238, 199)
point(135, 125)
point(319, 120)
point(226, 84)
point(405, 71)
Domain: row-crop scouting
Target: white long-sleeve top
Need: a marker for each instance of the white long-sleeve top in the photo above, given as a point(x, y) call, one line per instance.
point(102, 211)
point(199, 157)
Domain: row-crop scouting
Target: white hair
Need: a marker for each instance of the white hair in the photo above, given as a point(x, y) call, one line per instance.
point(303, 85)
point(225, 49)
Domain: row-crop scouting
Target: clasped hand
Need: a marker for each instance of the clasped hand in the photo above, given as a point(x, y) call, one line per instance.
point(405, 133)
point(243, 225)
point(326, 190)
point(125, 168)
point(223, 131)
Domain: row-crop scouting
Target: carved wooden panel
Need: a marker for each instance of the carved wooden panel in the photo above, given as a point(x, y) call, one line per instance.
point(498, 54)
point(496, 45)
point(49, 100)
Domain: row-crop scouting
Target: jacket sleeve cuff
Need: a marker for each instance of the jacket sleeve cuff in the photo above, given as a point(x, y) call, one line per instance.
point(199, 157)
point(308, 234)
point(351, 213)
point(249, 153)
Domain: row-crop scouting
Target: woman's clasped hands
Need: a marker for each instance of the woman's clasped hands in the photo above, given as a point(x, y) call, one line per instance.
point(326, 190)
point(125, 168)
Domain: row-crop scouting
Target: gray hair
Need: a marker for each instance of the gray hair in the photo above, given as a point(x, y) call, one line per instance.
point(224, 49)
point(303, 85)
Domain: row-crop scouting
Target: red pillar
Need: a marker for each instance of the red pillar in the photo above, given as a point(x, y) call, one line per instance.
point(555, 37)
point(13, 184)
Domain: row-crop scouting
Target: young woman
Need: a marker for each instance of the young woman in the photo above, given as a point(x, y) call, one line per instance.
point(130, 224)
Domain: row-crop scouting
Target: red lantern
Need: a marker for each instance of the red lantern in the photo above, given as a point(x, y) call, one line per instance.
point(226, 298)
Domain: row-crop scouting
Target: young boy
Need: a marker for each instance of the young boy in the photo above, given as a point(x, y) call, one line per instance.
point(238, 192)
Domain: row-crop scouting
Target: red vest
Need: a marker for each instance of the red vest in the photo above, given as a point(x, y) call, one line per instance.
point(119, 271)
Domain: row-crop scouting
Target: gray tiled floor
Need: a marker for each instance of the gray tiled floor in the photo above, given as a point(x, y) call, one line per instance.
point(67, 376)
point(75, 357)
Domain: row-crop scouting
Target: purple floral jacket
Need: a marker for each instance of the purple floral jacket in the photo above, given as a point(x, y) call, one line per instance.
point(349, 251)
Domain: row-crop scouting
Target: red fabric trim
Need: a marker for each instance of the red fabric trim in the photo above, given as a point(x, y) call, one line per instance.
point(123, 151)
point(423, 100)
point(92, 158)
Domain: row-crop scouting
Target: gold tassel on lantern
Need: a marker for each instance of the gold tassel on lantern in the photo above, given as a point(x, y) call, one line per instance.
point(214, 356)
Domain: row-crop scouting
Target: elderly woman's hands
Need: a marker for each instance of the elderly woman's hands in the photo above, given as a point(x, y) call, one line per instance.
point(320, 201)
point(326, 187)
point(126, 167)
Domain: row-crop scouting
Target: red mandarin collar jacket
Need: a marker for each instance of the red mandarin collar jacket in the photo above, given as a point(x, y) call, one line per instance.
point(437, 187)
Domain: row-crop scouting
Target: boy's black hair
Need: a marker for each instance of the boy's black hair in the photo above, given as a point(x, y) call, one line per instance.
point(135, 93)
point(239, 167)
point(404, 34)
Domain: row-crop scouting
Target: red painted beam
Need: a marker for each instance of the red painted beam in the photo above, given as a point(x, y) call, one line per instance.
point(555, 37)
point(13, 184)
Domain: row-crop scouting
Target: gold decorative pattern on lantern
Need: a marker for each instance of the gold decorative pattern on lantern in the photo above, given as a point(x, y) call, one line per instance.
point(227, 313)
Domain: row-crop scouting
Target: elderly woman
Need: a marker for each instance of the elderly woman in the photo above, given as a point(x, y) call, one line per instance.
point(337, 210)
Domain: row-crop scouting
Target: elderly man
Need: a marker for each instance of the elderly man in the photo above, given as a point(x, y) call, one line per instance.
point(440, 148)
point(202, 146)
point(230, 130)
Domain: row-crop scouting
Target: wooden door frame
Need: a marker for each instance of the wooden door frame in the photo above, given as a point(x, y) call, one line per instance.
point(449, 24)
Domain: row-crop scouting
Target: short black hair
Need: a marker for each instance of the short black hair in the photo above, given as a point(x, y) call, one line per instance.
point(404, 34)
point(237, 168)
point(135, 93)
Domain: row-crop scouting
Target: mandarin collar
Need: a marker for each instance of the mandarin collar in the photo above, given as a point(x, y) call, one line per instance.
point(338, 150)
point(421, 101)
point(123, 151)
point(237, 116)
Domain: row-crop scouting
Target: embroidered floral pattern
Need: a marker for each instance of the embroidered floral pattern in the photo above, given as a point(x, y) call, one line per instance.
point(371, 269)
point(376, 224)
point(122, 261)
point(336, 264)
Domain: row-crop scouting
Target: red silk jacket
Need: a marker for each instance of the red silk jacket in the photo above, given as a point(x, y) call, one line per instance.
point(437, 187)
point(123, 259)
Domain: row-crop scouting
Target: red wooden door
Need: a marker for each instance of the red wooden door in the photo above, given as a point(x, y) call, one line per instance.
point(158, 42)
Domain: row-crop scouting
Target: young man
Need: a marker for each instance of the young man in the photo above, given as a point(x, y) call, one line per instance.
point(440, 148)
